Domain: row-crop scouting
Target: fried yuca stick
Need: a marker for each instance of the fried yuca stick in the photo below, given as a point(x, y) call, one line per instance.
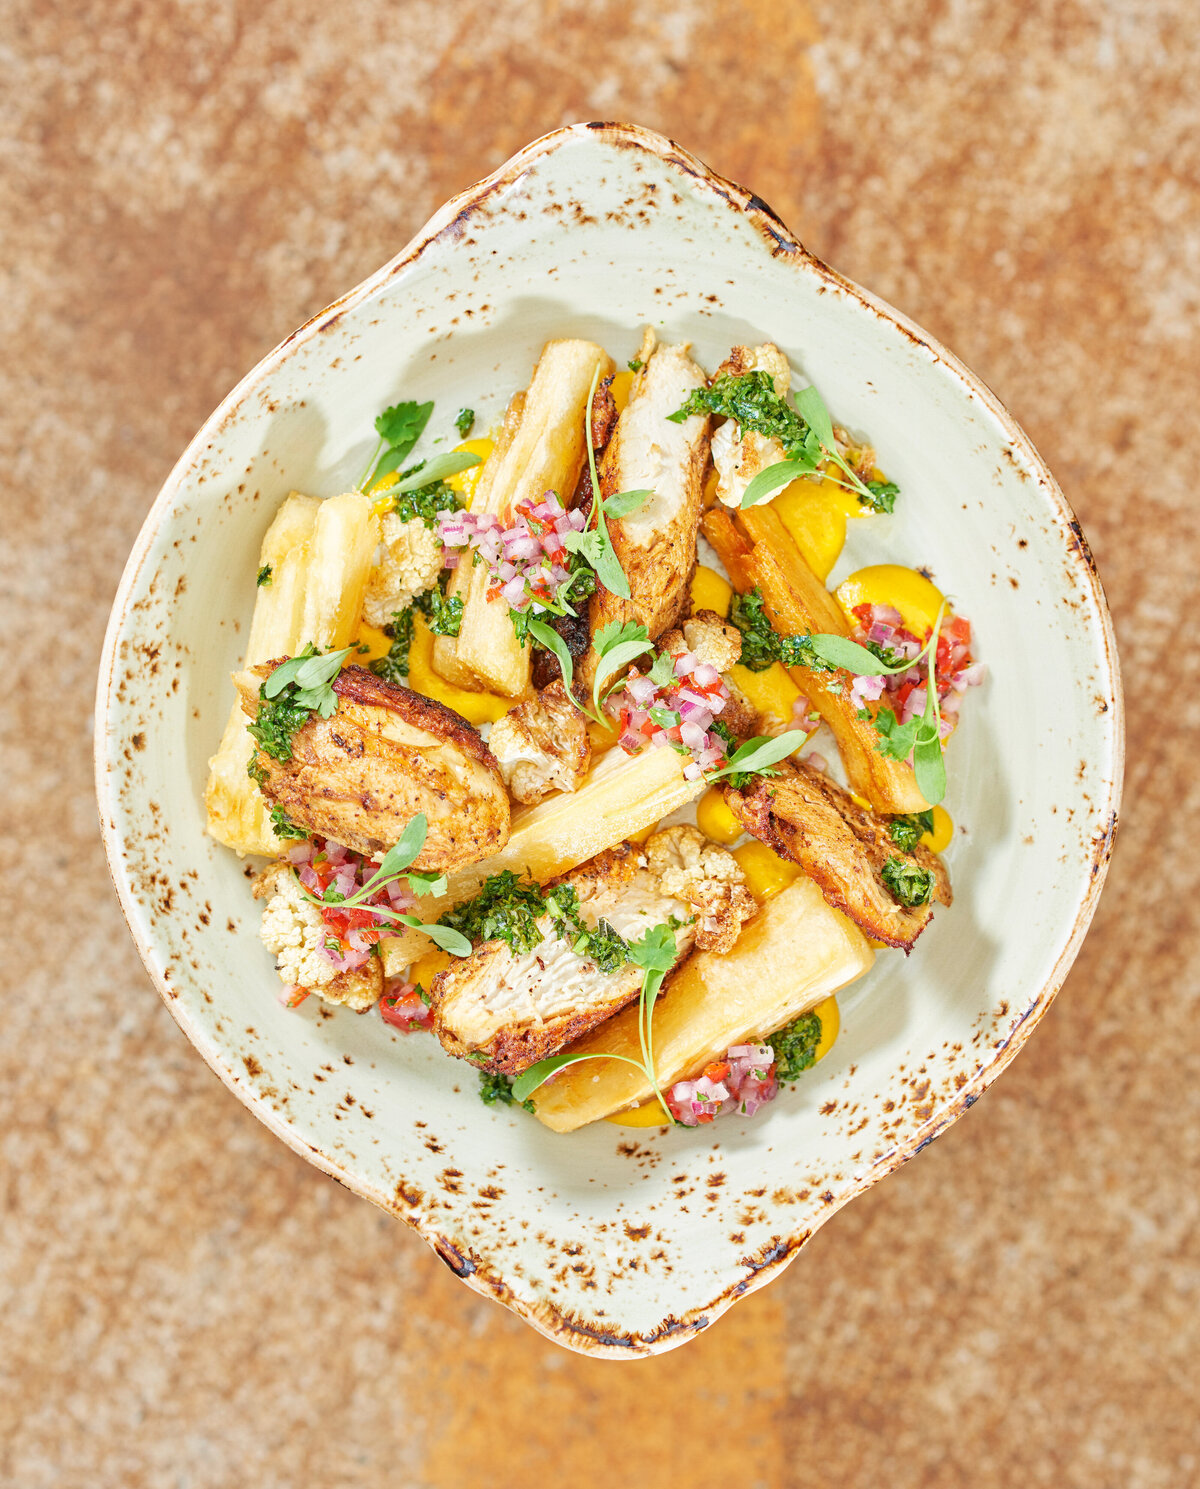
point(445, 648)
point(796, 951)
point(757, 549)
point(546, 453)
point(622, 796)
point(320, 555)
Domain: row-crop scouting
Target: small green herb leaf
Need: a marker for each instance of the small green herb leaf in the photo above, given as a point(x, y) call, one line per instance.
point(434, 470)
point(441, 935)
point(907, 882)
point(840, 651)
point(264, 575)
point(402, 425)
point(464, 422)
point(757, 756)
point(811, 408)
point(548, 637)
point(529, 1080)
point(622, 503)
point(767, 482)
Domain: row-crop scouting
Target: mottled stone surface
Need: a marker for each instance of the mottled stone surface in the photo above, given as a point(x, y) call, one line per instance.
point(184, 1301)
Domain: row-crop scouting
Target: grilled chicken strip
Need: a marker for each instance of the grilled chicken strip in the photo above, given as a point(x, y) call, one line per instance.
point(506, 1011)
point(384, 755)
point(739, 460)
point(656, 544)
point(541, 746)
point(805, 817)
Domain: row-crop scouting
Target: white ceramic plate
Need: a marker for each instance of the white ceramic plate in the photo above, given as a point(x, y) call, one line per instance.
point(612, 1241)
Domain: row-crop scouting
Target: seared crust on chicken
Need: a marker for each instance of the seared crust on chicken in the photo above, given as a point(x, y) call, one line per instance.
point(656, 544)
point(384, 755)
point(506, 1011)
point(542, 745)
point(805, 817)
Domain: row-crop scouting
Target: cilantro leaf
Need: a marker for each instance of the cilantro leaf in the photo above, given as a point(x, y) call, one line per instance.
point(883, 496)
point(662, 672)
point(896, 740)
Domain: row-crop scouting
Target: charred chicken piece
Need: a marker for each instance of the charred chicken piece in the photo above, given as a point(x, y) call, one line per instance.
point(844, 848)
point(386, 753)
point(541, 746)
point(507, 1008)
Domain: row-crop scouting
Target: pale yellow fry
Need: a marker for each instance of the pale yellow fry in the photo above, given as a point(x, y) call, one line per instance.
point(546, 454)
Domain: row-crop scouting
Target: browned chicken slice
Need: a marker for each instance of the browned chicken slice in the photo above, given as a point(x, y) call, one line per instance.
point(805, 817)
point(506, 1010)
point(386, 753)
point(656, 544)
point(541, 746)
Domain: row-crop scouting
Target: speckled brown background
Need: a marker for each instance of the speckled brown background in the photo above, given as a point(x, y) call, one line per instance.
point(183, 1302)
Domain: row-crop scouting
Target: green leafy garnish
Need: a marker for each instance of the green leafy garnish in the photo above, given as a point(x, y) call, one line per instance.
point(284, 827)
point(495, 1087)
point(398, 428)
point(757, 756)
point(394, 666)
point(662, 671)
point(616, 646)
point(508, 909)
point(907, 882)
point(264, 575)
point(395, 863)
point(635, 364)
point(795, 1047)
point(436, 469)
point(289, 697)
point(906, 832)
point(896, 740)
point(762, 645)
point(464, 421)
point(443, 615)
point(805, 432)
point(424, 502)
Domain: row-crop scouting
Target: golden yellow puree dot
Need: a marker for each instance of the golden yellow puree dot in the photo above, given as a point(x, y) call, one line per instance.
point(649, 1114)
point(368, 636)
point(621, 384)
point(831, 1022)
point(914, 596)
point(943, 831)
point(766, 873)
point(465, 481)
point(772, 692)
point(711, 591)
point(427, 967)
point(476, 708)
point(714, 818)
point(814, 514)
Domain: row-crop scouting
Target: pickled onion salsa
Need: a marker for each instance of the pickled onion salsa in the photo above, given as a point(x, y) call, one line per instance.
point(405, 1007)
point(742, 1082)
point(528, 563)
point(679, 713)
point(352, 932)
point(881, 626)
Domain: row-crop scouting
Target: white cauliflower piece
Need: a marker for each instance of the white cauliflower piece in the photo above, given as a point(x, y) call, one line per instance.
point(692, 868)
point(712, 639)
point(411, 563)
point(541, 746)
point(293, 931)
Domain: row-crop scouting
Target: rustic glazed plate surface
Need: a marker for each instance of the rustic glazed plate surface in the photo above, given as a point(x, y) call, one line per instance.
point(614, 1241)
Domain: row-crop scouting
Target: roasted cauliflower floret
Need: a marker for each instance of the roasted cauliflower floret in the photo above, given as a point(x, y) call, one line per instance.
point(692, 868)
point(707, 637)
point(541, 746)
point(411, 563)
point(293, 931)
